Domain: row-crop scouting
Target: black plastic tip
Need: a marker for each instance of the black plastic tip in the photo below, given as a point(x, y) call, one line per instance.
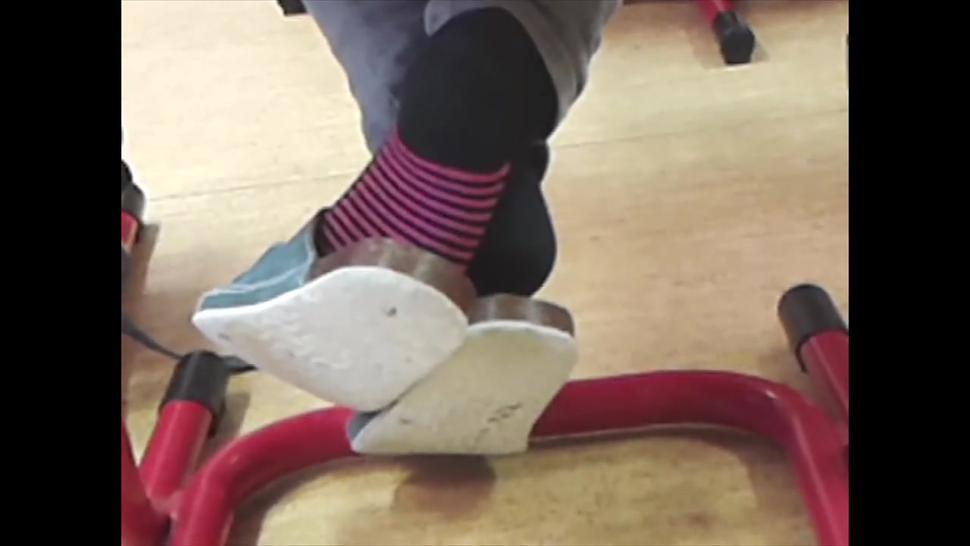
point(125, 268)
point(736, 38)
point(132, 198)
point(291, 7)
point(806, 311)
point(200, 377)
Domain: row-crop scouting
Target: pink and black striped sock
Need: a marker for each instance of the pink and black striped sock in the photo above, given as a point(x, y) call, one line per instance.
point(407, 198)
point(469, 103)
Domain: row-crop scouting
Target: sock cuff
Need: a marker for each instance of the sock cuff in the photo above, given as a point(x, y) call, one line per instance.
point(400, 149)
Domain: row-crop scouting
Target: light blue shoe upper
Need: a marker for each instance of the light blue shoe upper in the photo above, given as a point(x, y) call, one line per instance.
point(284, 267)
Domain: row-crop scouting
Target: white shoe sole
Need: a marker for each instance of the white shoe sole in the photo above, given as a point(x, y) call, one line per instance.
point(483, 400)
point(357, 336)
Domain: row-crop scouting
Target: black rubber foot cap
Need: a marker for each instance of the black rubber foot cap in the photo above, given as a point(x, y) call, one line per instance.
point(292, 7)
point(736, 38)
point(201, 377)
point(125, 268)
point(132, 198)
point(806, 311)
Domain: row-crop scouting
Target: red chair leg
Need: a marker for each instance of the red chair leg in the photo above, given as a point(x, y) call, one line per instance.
point(141, 525)
point(735, 38)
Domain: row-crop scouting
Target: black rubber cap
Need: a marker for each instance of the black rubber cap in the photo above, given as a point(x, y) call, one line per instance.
point(736, 38)
point(806, 311)
point(126, 177)
point(200, 377)
point(132, 198)
point(125, 268)
point(291, 7)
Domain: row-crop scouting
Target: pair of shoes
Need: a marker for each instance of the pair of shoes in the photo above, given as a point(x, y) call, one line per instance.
point(486, 397)
point(402, 336)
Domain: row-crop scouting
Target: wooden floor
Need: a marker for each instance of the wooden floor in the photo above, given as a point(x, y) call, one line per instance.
point(687, 198)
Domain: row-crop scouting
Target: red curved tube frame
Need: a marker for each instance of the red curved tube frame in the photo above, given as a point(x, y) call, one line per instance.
point(812, 440)
point(712, 8)
point(129, 231)
point(150, 496)
point(826, 359)
point(141, 525)
point(173, 451)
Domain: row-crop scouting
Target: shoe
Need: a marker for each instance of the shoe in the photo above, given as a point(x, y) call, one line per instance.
point(357, 326)
point(486, 397)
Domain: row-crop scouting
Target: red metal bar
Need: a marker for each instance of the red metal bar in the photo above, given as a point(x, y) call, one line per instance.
point(712, 8)
point(735, 39)
point(171, 455)
point(812, 440)
point(826, 358)
point(204, 514)
point(129, 231)
point(141, 525)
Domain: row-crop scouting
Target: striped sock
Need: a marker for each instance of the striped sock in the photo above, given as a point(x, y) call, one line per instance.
point(412, 200)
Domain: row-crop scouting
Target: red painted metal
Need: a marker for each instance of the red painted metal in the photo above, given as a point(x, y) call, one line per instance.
point(813, 441)
point(129, 231)
point(174, 448)
point(199, 508)
point(141, 525)
point(205, 512)
point(712, 8)
point(826, 359)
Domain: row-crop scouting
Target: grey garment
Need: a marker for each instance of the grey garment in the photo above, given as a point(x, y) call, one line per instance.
point(376, 40)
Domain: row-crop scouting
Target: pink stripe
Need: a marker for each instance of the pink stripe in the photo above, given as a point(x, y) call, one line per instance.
point(333, 224)
point(447, 198)
point(356, 211)
point(392, 194)
point(450, 172)
point(392, 188)
point(464, 191)
point(350, 227)
point(334, 240)
point(370, 192)
point(334, 233)
point(381, 229)
point(484, 190)
point(411, 236)
point(416, 239)
point(441, 208)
